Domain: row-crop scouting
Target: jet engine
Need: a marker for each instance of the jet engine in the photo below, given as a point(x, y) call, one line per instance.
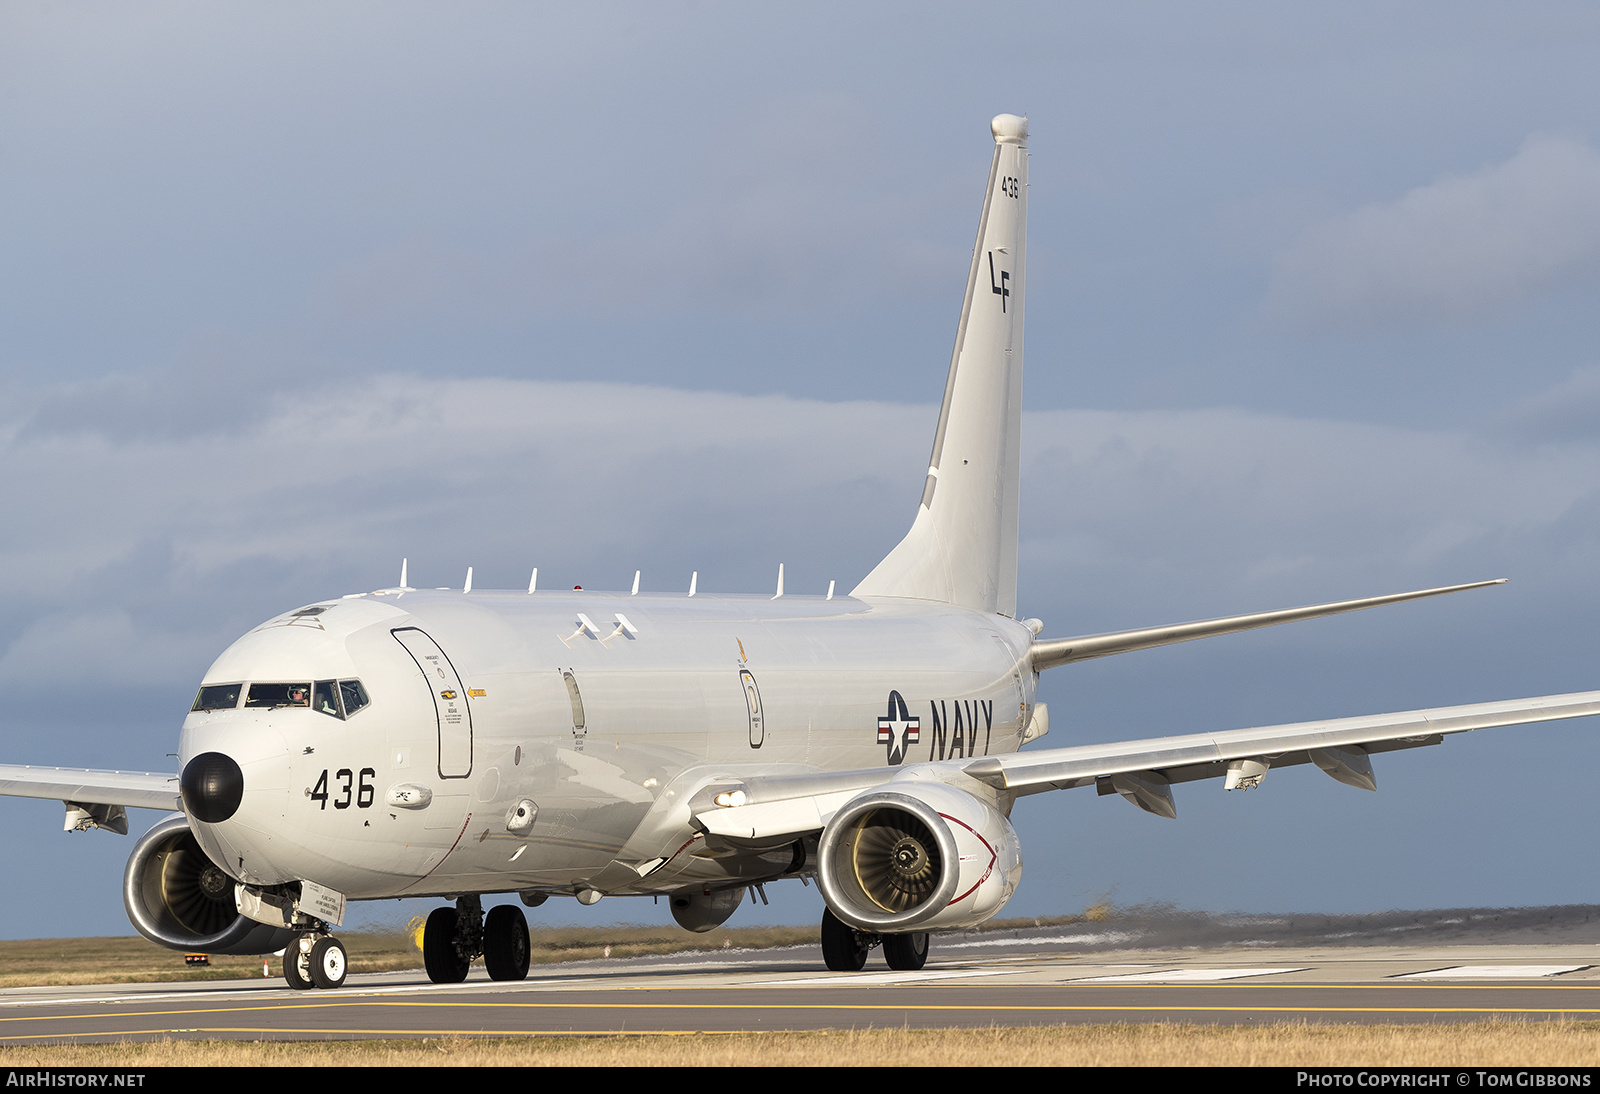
point(923, 857)
point(177, 897)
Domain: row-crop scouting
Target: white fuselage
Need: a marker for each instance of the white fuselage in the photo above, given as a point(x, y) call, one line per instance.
point(698, 687)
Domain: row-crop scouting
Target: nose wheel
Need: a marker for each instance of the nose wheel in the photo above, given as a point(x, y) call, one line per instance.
point(315, 961)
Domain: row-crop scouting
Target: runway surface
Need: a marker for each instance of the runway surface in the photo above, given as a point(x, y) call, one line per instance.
point(1045, 976)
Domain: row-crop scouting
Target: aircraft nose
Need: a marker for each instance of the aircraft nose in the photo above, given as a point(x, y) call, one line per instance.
point(212, 787)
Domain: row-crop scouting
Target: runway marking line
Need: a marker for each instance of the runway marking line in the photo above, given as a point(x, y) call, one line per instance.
point(873, 1008)
point(377, 996)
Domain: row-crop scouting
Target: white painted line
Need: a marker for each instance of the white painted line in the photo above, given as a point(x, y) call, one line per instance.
point(1180, 975)
point(872, 979)
point(1492, 972)
point(1060, 940)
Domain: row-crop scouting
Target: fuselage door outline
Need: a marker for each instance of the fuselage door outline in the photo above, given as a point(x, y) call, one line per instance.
point(580, 728)
point(752, 702)
point(452, 714)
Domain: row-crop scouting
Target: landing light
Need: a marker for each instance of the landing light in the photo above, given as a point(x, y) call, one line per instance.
point(730, 799)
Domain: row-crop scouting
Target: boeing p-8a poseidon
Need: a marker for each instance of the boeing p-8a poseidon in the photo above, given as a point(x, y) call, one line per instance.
point(451, 744)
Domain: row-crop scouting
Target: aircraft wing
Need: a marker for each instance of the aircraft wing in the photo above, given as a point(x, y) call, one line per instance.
point(1325, 743)
point(770, 809)
point(1050, 653)
point(130, 789)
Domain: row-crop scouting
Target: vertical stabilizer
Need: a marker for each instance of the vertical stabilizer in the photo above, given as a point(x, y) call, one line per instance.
point(962, 547)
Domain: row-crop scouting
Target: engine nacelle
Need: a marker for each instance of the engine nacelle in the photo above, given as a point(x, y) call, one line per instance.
point(924, 856)
point(177, 897)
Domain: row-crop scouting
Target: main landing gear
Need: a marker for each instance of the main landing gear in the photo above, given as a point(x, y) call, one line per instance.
point(452, 937)
point(315, 960)
point(844, 949)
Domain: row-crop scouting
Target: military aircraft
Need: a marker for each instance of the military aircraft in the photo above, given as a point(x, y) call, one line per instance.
point(452, 744)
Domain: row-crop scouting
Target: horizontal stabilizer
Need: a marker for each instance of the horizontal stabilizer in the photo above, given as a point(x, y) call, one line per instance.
point(1051, 652)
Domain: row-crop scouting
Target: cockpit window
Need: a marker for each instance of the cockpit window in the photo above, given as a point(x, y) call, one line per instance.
point(354, 695)
point(325, 700)
point(335, 698)
point(278, 695)
point(218, 697)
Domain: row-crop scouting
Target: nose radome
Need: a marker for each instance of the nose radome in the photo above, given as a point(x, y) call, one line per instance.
point(212, 787)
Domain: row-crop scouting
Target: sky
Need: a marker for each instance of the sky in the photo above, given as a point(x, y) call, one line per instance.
point(291, 291)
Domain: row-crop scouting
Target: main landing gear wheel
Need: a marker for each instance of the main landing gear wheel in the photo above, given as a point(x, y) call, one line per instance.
point(844, 949)
point(440, 956)
point(907, 952)
point(297, 967)
point(328, 963)
point(505, 943)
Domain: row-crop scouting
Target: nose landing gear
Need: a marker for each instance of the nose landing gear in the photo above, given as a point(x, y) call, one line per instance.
point(315, 961)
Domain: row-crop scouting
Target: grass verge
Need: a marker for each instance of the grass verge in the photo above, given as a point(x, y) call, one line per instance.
point(1489, 1044)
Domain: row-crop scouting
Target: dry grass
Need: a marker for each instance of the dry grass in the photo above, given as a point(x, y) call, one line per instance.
point(1502, 1044)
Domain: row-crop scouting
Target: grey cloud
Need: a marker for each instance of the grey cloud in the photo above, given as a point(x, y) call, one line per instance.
point(1569, 411)
point(791, 210)
point(591, 480)
point(1452, 249)
point(338, 481)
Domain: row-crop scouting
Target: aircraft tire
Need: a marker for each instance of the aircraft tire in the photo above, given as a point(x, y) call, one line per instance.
point(439, 954)
point(906, 952)
point(843, 948)
point(329, 963)
point(299, 979)
point(505, 943)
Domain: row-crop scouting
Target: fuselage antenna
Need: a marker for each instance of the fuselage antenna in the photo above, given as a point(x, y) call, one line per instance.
point(693, 579)
point(635, 584)
point(467, 588)
point(830, 590)
point(780, 582)
point(534, 580)
point(403, 562)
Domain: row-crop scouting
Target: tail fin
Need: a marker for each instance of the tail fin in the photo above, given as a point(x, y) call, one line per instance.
point(962, 547)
